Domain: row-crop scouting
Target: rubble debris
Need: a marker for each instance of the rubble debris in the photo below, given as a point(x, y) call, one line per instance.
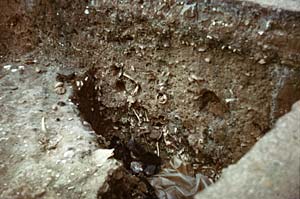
point(135, 157)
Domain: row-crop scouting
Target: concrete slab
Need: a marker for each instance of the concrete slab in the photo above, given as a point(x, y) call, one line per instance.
point(271, 170)
point(293, 5)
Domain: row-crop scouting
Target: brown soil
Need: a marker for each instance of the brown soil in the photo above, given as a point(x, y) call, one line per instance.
point(203, 85)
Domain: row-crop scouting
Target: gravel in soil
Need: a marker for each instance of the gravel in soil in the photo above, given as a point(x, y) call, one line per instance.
point(202, 93)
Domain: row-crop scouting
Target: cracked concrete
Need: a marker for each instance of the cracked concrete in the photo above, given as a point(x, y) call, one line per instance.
point(59, 162)
point(271, 170)
point(293, 5)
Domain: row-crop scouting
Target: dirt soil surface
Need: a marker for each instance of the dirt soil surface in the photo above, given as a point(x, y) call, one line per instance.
point(202, 81)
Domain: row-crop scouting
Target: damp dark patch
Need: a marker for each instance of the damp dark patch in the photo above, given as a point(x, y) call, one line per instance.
point(86, 97)
point(138, 163)
point(135, 158)
point(121, 185)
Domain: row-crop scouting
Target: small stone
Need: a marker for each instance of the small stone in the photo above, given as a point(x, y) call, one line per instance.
point(21, 67)
point(201, 49)
point(60, 90)
point(194, 77)
point(14, 88)
point(207, 60)
point(14, 70)
point(136, 167)
point(262, 61)
point(69, 154)
point(38, 70)
point(247, 22)
point(131, 100)
point(7, 67)
point(166, 45)
point(155, 135)
point(59, 84)
point(85, 123)
point(61, 103)
point(209, 37)
point(54, 107)
point(260, 32)
point(243, 145)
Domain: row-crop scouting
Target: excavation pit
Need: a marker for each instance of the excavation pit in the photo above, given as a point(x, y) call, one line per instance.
point(200, 81)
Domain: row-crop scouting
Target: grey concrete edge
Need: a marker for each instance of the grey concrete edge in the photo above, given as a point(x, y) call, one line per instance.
point(292, 5)
point(270, 170)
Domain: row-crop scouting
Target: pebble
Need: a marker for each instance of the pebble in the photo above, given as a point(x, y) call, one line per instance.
point(59, 84)
point(69, 154)
point(21, 67)
point(262, 61)
point(7, 67)
point(207, 60)
point(209, 37)
point(194, 77)
point(136, 167)
point(260, 32)
point(201, 49)
point(230, 100)
point(38, 70)
point(54, 107)
point(14, 88)
point(60, 90)
point(61, 103)
point(85, 123)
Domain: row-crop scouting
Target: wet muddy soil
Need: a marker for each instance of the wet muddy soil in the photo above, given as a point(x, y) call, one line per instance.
point(199, 81)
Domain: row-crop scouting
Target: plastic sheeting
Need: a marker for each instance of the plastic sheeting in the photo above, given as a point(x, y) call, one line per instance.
point(175, 182)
